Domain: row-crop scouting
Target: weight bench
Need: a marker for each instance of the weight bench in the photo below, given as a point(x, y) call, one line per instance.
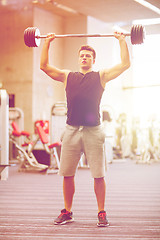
point(18, 132)
point(50, 148)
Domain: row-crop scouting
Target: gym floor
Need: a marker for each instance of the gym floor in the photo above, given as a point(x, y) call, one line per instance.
point(30, 201)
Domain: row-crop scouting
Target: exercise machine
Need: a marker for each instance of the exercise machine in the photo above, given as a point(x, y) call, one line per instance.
point(51, 149)
point(28, 162)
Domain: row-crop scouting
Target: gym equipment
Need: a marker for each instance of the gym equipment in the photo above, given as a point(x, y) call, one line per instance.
point(4, 135)
point(28, 162)
point(49, 148)
point(16, 115)
point(3, 166)
point(32, 37)
point(58, 121)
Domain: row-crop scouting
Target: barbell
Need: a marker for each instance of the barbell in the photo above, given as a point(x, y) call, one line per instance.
point(32, 37)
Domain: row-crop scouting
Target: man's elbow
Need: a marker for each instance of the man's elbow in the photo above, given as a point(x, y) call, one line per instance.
point(43, 67)
point(127, 65)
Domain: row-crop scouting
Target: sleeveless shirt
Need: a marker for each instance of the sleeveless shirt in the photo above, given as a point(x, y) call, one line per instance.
point(84, 93)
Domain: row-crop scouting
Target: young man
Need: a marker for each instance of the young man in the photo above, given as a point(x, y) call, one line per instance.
point(83, 132)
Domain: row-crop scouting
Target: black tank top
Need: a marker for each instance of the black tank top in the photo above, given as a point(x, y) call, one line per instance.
point(84, 93)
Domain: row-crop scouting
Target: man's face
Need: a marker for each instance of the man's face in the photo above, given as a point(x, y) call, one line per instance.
point(86, 59)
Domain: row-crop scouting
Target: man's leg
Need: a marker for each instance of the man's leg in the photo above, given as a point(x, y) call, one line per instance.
point(68, 192)
point(100, 191)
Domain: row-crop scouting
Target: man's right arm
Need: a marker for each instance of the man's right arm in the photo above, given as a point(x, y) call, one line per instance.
point(51, 71)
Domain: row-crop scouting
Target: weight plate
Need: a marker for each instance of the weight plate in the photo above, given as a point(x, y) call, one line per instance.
point(29, 37)
point(132, 34)
point(26, 37)
point(137, 34)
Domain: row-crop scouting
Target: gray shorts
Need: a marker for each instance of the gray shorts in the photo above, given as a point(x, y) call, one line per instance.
point(87, 140)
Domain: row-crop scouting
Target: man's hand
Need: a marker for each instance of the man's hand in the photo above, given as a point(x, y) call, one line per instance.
point(50, 37)
point(119, 35)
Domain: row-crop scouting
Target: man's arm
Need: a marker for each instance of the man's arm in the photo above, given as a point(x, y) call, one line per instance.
point(108, 74)
point(51, 71)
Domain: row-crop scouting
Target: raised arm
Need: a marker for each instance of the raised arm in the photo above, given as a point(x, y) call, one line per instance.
point(108, 74)
point(52, 71)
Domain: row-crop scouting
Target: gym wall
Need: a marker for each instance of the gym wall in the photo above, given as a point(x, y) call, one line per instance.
point(16, 62)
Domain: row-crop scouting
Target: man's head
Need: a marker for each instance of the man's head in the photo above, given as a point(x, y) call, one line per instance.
point(86, 57)
point(88, 48)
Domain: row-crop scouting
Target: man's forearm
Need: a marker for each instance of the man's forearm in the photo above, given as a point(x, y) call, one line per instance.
point(44, 55)
point(125, 59)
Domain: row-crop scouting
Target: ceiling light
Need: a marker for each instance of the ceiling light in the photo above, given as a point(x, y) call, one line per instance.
point(148, 5)
point(4, 2)
point(146, 22)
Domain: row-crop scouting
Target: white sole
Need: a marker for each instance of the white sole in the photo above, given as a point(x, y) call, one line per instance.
point(102, 225)
point(65, 222)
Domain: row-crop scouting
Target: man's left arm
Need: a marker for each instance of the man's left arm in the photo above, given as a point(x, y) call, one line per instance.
point(109, 74)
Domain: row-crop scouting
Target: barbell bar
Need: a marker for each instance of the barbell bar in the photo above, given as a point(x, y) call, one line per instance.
point(32, 36)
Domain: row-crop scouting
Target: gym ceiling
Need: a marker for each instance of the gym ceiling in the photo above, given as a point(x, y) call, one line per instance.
point(119, 12)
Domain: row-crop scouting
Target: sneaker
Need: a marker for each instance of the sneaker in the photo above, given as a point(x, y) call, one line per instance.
point(102, 219)
point(64, 217)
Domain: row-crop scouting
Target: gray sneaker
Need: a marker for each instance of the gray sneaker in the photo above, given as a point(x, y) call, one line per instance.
point(64, 217)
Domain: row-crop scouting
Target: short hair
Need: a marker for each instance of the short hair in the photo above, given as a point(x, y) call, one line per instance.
point(88, 48)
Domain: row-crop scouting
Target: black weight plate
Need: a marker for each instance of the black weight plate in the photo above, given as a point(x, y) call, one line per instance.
point(133, 35)
point(136, 40)
point(26, 40)
point(137, 34)
point(29, 37)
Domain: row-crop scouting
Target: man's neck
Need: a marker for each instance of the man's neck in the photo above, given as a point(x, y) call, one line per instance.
point(84, 71)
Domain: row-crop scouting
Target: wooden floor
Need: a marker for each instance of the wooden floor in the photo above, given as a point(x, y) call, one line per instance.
point(30, 201)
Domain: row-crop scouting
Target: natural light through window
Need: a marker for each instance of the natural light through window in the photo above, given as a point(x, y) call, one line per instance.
point(146, 78)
